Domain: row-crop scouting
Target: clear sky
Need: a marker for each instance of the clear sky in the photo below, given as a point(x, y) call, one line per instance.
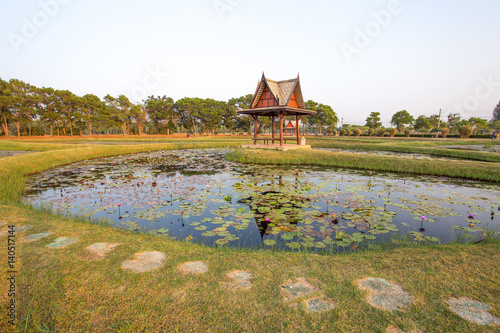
point(357, 56)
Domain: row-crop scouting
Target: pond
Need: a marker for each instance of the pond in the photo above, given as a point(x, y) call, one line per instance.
point(199, 196)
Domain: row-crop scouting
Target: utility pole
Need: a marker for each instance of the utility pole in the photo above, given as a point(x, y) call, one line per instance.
point(439, 124)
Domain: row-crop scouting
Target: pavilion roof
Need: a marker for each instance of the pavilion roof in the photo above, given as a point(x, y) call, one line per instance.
point(285, 97)
point(281, 90)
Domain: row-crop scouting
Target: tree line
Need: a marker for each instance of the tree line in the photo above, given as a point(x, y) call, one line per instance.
point(29, 110)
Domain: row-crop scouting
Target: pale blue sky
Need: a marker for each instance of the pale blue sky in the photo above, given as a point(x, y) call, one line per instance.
point(423, 56)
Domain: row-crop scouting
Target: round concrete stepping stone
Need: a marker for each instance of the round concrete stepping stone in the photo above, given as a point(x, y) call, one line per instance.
point(193, 268)
point(62, 242)
point(238, 280)
point(35, 237)
point(145, 261)
point(99, 250)
point(385, 295)
point(473, 311)
point(319, 304)
point(17, 229)
point(297, 287)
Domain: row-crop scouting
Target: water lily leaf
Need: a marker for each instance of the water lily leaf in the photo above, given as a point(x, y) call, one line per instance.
point(201, 228)
point(208, 234)
point(270, 242)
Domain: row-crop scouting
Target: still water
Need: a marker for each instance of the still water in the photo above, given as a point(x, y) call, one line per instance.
point(199, 196)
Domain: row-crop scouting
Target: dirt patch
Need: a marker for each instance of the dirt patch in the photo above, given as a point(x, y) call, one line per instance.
point(296, 288)
point(385, 295)
point(238, 280)
point(473, 311)
point(100, 250)
point(193, 268)
point(35, 237)
point(62, 242)
point(319, 304)
point(145, 261)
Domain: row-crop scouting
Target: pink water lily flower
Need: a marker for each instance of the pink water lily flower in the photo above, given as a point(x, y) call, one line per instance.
point(423, 217)
point(267, 220)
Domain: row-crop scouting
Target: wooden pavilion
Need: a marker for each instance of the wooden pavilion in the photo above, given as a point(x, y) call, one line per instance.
point(277, 99)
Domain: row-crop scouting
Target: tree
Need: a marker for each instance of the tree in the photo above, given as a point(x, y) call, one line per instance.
point(160, 111)
point(242, 122)
point(324, 117)
point(123, 106)
point(496, 112)
point(69, 104)
point(373, 120)
point(402, 118)
point(92, 107)
point(477, 124)
point(453, 120)
point(422, 123)
point(139, 115)
point(7, 102)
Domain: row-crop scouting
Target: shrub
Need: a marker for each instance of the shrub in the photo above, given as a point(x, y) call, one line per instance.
point(392, 132)
point(357, 132)
point(465, 131)
point(407, 133)
point(445, 131)
point(334, 132)
point(371, 131)
point(342, 132)
point(381, 132)
point(348, 132)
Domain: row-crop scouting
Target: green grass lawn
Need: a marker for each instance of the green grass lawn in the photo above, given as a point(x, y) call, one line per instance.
point(63, 290)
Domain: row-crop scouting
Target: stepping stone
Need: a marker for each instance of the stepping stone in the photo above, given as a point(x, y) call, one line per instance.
point(295, 288)
point(473, 311)
point(385, 295)
point(238, 280)
point(319, 304)
point(145, 261)
point(193, 268)
point(35, 237)
point(99, 250)
point(62, 242)
point(17, 229)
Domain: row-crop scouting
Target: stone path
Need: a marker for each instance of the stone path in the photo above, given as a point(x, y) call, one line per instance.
point(473, 311)
point(385, 295)
point(193, 268)
point(145, 261)
point(382, 294)
point(238, 280)
point(17, 229)
point(62, 242)
point(35, 237)
point(100, 250)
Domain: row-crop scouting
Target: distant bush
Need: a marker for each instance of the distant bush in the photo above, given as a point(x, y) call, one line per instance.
point(407, 133)
point(371, 131)
point(381, 132)
point(357, 132)
point(445, 131)
point(342, 132)
point(392, 132)
point(465, 131)
point(348, 132)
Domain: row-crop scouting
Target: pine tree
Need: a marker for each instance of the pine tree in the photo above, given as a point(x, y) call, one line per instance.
point(496, 112)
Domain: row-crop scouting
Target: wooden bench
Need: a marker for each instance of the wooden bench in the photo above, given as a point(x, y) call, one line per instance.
point(266, 140)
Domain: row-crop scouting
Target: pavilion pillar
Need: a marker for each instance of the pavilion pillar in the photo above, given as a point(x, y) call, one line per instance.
point(281, 128)
point(255, 124)
point(297, 128)
point(274, 127)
